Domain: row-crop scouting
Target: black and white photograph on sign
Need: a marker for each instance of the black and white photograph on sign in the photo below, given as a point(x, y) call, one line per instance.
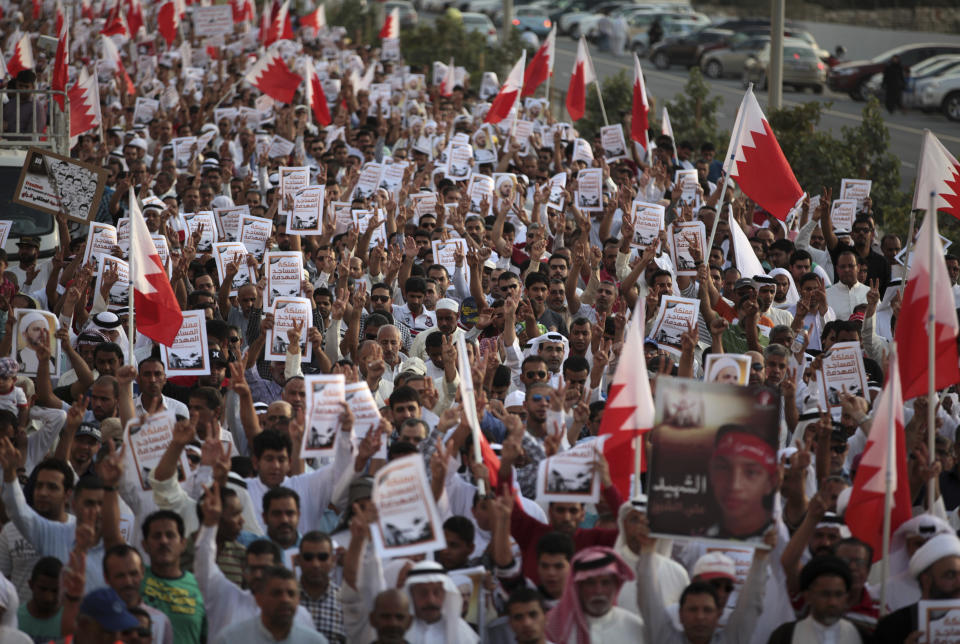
point(324, 395)
point(558, 185)
point(119, 295)
point(571, 476)
point(683, 235)
point(676, 316)
point(101, 240)
point(614, 144)
point(305, 218)
point(841, 371)
point(590, 189)
point(34, 330)
point(49, 182)
point(254, 233)
point(292, 181)
point(856, 189)
point(284, 275)
point(189, 355)
point(713, 475)
point(647, 223)
point(458, 163)
point(408, 522)
point(288, 312)
point(484, 149)
point(230, 221)
point(727, 368)
point(504, 187)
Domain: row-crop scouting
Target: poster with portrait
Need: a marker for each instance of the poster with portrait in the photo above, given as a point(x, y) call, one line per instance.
point(288, 312)
point(445, 252)
point(33, 329)
point(283, 270)
point(366, 415)
point(189, 355)
point(590, 189)
point(479, 189)
point(707, 440)
point(119, 296)
point(408, 522)
point(229, 219)
point(101, 239)
point(647, 224)
point(226, 252)
point(856, 189)
point(841, 370)
point(683, 235)
point(613, 142)
point(676, 316)
point(842, 214)
point(504, 188)
point(254, 233)
point(459, 162)
point(727, 368)
point(49, 181)
point(293, 179)
point(555, 198)
point(938, 620)
point(325, 393)
point(147, 438)
point(571, 476)
point(306, 216)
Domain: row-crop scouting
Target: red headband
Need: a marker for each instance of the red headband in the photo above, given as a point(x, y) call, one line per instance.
point(749, 446)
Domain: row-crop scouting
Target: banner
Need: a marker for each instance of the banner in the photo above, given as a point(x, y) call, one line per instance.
point(287, 312)
point(571, 476)
point(408, 522)
point(190, 354)
point(324, 395)
point(841, 370)
point(147, 438)
point(674, 318)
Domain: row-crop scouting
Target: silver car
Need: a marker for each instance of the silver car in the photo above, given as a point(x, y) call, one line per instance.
point(729, 61)
point(802, 67)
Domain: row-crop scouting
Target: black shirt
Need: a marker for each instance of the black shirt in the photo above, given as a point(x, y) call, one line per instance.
point(897, 626)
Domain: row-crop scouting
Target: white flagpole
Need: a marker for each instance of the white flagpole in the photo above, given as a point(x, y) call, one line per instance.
point(130, 321)
point(596, 82)
point(888, 489)
point(725, 176)
point(906, 256)
point(931, 350)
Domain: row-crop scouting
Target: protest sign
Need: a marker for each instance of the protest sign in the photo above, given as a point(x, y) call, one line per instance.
point(342, 216)
point(278, 147)
point(408, 522)
point(288, 312)
point(582, 151)
point(163, 250)
point(392, 179)
point(363, 218)
point(489, 86)
point(727, 368)
point(100, 241)
point(366, 415)
point(32, 329)
point(696, 457)
point(227, 252)
point(424, 203)
point(521, 136)
point(647, 224)
point(480, 188)
point(183, 150)
point(49, 181)
point(368, 182)
point(841, 370)
point(214, 20)
point(147, 438)
point(458, 163)
point(856, 189)
point(683, 235)
point(842, 214)
point(742, 559)
point(123, 236)
point(938, 620)
point(325, 392)
point(229, 219)
point(614, 145)
point(571, 476)
point(293, 179)
point(590, 189)
point(5, 226)
point(444, 253)
point(189, 355)
point(689, 182)
point(254, 233)
point(206, 223)
point(676, 316)
point(306, 216)
point(144, 109)
point(558, 184)
point(283, 270)
point(119, 296)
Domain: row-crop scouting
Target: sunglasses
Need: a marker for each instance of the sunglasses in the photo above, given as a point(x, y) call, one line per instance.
point(535, 374)
point(539, 398)
point(279, 419)
point(756, 366)
point(234, 340)
point(319, 556)
point(725, 586)
point(380, 298)
point(838, 449)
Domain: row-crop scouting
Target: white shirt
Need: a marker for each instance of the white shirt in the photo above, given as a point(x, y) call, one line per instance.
point(816, 322)
point(426, 319)
point(436, 633)
point(618, 625)
point(843, 299)
point(175, 406)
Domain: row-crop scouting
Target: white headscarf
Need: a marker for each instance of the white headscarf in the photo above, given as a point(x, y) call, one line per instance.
point(428, 572)
point(104, 322)
point(926, 525)
point(552, 336)
point(793, 296)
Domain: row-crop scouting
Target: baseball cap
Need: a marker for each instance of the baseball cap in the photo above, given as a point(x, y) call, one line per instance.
point(414, 365)
point(742, 282)
point(217, 356)
point(89, 429)
point(714, 565)
point(106, 608)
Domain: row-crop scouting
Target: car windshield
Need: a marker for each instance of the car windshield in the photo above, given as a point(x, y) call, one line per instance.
point(890, 53)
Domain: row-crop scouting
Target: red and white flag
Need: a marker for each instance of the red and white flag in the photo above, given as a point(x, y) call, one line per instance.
point(61, 20)
point(938, 174)
point(316, 20)
point(158, 314)
point(116, 24)
point(58, 81)
point(756, 161)
point(583, 74)
point(391, 25)
point(866, 507)
point(541, 66)
point(134, 17)
point(629, 410)
point(911, 332)
point(316, 98)
point(507, 97)
point(22, 58)
point(640, 119)
point(281, 27)
point(243, 10)
point(449, 80)
point(37, 9)
point(111, 56)
point(168, 22)
point(84, 104)
point(271, 76)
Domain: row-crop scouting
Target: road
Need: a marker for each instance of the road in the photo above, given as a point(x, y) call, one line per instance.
point(905, 129)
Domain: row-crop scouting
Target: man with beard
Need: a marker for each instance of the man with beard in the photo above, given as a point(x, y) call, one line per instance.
point(281, 516)
point(818, 534)
point(437, 606)
point(278, 597)
point(767, 291)
point(391, 617)
point(936, 566)
point(32, 275)
point(447, 314)
point(825, 582)
point(123, 571)
point(151, 377)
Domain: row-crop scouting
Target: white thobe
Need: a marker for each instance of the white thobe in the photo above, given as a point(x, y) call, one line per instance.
point(436, 633)
point(618, 625)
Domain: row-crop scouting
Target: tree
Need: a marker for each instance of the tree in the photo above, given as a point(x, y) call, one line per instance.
point(693, 114)
point(617, 98)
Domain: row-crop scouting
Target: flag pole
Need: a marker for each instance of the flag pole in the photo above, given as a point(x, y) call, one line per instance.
point(130, 321)
point(600, 96)
point(724, 177)
point(906, 256)
point(888, 489)
point(931, 351)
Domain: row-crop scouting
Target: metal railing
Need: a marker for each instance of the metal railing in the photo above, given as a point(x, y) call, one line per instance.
point(32, 118)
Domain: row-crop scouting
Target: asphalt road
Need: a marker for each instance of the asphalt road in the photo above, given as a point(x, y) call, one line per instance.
point(905, 129)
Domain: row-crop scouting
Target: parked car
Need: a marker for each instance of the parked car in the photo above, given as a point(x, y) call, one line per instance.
point(687, 50)
point(570, 22)
point(408, 15)
point(488, 7)
point(939, 93)
point(921, 75)
point(852, 77)
point(480, 23)
point(532, 19)
point(674, 25)
point(729, 60)
point(802, 67)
